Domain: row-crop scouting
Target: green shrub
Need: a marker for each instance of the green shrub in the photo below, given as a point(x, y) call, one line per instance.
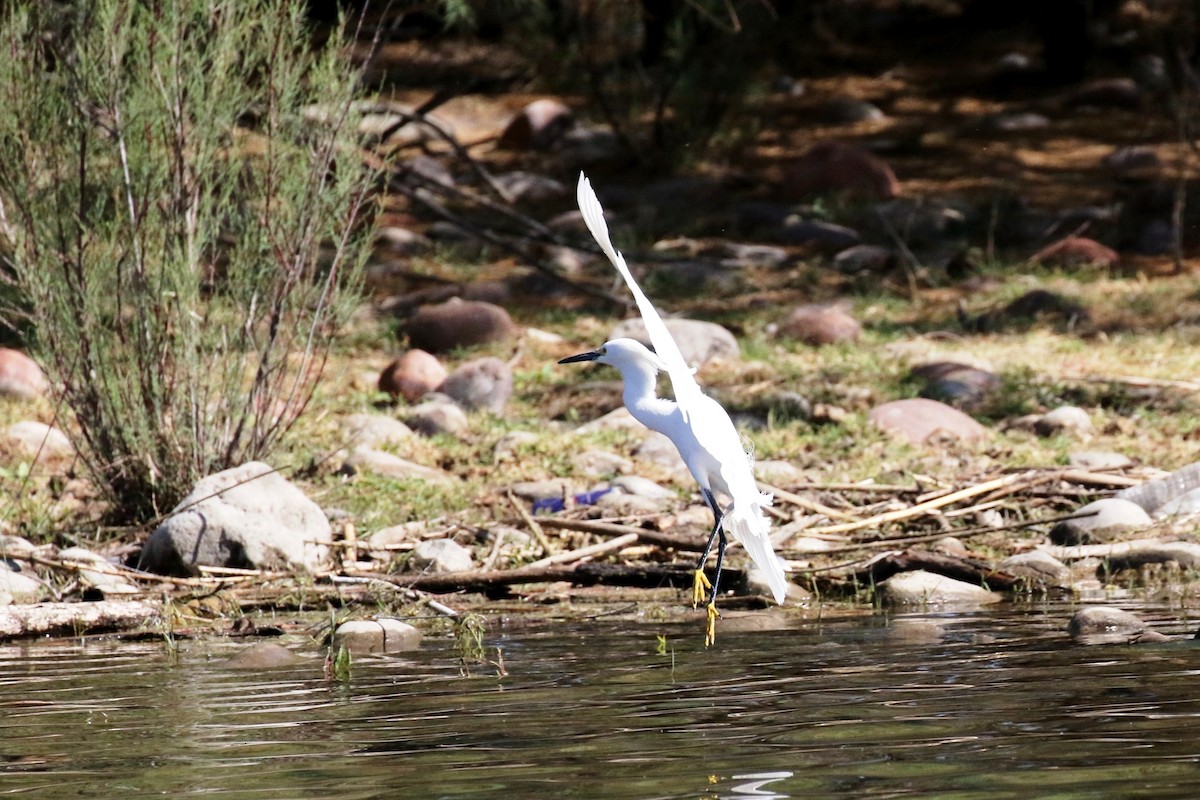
point(187, 209)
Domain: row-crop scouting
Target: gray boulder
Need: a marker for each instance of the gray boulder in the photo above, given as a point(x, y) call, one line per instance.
point(249, 517)
point(1108, 518)
point(485, 383)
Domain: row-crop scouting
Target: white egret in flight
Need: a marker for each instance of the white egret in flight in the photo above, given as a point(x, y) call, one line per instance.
point(700, 428)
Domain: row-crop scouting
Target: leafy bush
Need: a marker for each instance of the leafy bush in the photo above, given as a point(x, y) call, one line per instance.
point(186, 209)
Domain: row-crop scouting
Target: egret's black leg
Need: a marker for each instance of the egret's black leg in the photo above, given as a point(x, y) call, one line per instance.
point(701, 582)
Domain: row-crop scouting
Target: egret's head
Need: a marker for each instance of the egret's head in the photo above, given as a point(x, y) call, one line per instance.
point(621, 353)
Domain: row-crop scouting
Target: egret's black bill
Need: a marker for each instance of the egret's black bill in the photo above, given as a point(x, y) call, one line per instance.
point(589, 356)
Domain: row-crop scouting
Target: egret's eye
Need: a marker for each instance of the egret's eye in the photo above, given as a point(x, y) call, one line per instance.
point(603, 351)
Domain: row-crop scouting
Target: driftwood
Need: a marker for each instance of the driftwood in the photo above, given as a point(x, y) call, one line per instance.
point(41, 619)
point(645, 576)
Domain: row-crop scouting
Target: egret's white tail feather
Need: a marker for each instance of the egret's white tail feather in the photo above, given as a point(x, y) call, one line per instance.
point(749, 525)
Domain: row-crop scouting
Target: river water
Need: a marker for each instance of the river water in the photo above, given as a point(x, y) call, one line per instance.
point(993, 704)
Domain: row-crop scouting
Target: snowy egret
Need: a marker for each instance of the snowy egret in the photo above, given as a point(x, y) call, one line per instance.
point(699, 427)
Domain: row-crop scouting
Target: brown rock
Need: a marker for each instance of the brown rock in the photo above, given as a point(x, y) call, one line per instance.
point(412, 375)
point(818, 324)
point(920, 420)
point(537, 126)
point(840, 168)
point(458, 323)
point(1075, 251)
point(20, 376)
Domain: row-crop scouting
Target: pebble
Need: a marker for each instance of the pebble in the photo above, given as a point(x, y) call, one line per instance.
point(458, 323)
point(868, 258)
point(779, 472)
point(18, 588)
point(437, 415)
point(600, 463)
point(20, 376)
point(918, 587)
point(102, 577)
point(405, 533)
point(441, 555)
point(1112, 516)
point(549, 489)
point(642, 487)
point(1037, 565)
point(412, 375)
point(374, 430)
point(921, 421)
point(507, 446)
point(37, 439)
point(537, 126)
point(1099, 460)
point(383, 635)
point(841, 169)
point(529, 187)
point(1064, 419)
point(482, 384)
point(955, 384)
point(378, 462)
point(621, 504)
point(821, 323)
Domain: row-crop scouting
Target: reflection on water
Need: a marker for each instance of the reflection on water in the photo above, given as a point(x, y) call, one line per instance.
point(995, 704)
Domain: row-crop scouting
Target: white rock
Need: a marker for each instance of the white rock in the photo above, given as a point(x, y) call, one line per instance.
point(38, 439)
point(247, 516)
point(18, 588)
point(102, 577)
point(919, 587)
point(441, 555)
point(643, 487)
point(383, 635)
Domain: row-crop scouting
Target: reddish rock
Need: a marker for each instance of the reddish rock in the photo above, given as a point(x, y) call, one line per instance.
point(1075, 251)
point(537, 126)
point(458, 323)
point(920, 420)
point(818, 324)
point(839, 168)
point(20, 376)
point(412, 375)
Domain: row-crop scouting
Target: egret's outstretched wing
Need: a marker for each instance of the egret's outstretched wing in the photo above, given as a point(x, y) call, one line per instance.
point(685, 386)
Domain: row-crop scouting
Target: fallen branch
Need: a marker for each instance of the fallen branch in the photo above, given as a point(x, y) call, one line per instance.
point(42, 619)
point(648, 576)
point(591, 551)
point(675, 541)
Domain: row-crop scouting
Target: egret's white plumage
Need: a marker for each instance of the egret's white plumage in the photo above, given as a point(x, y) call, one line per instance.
point(700, 428)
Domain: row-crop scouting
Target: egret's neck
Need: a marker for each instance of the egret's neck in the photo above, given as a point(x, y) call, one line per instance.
point(641, 398)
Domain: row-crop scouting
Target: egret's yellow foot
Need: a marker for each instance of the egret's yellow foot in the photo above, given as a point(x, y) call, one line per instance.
point(710, 634)
point(700, 588)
